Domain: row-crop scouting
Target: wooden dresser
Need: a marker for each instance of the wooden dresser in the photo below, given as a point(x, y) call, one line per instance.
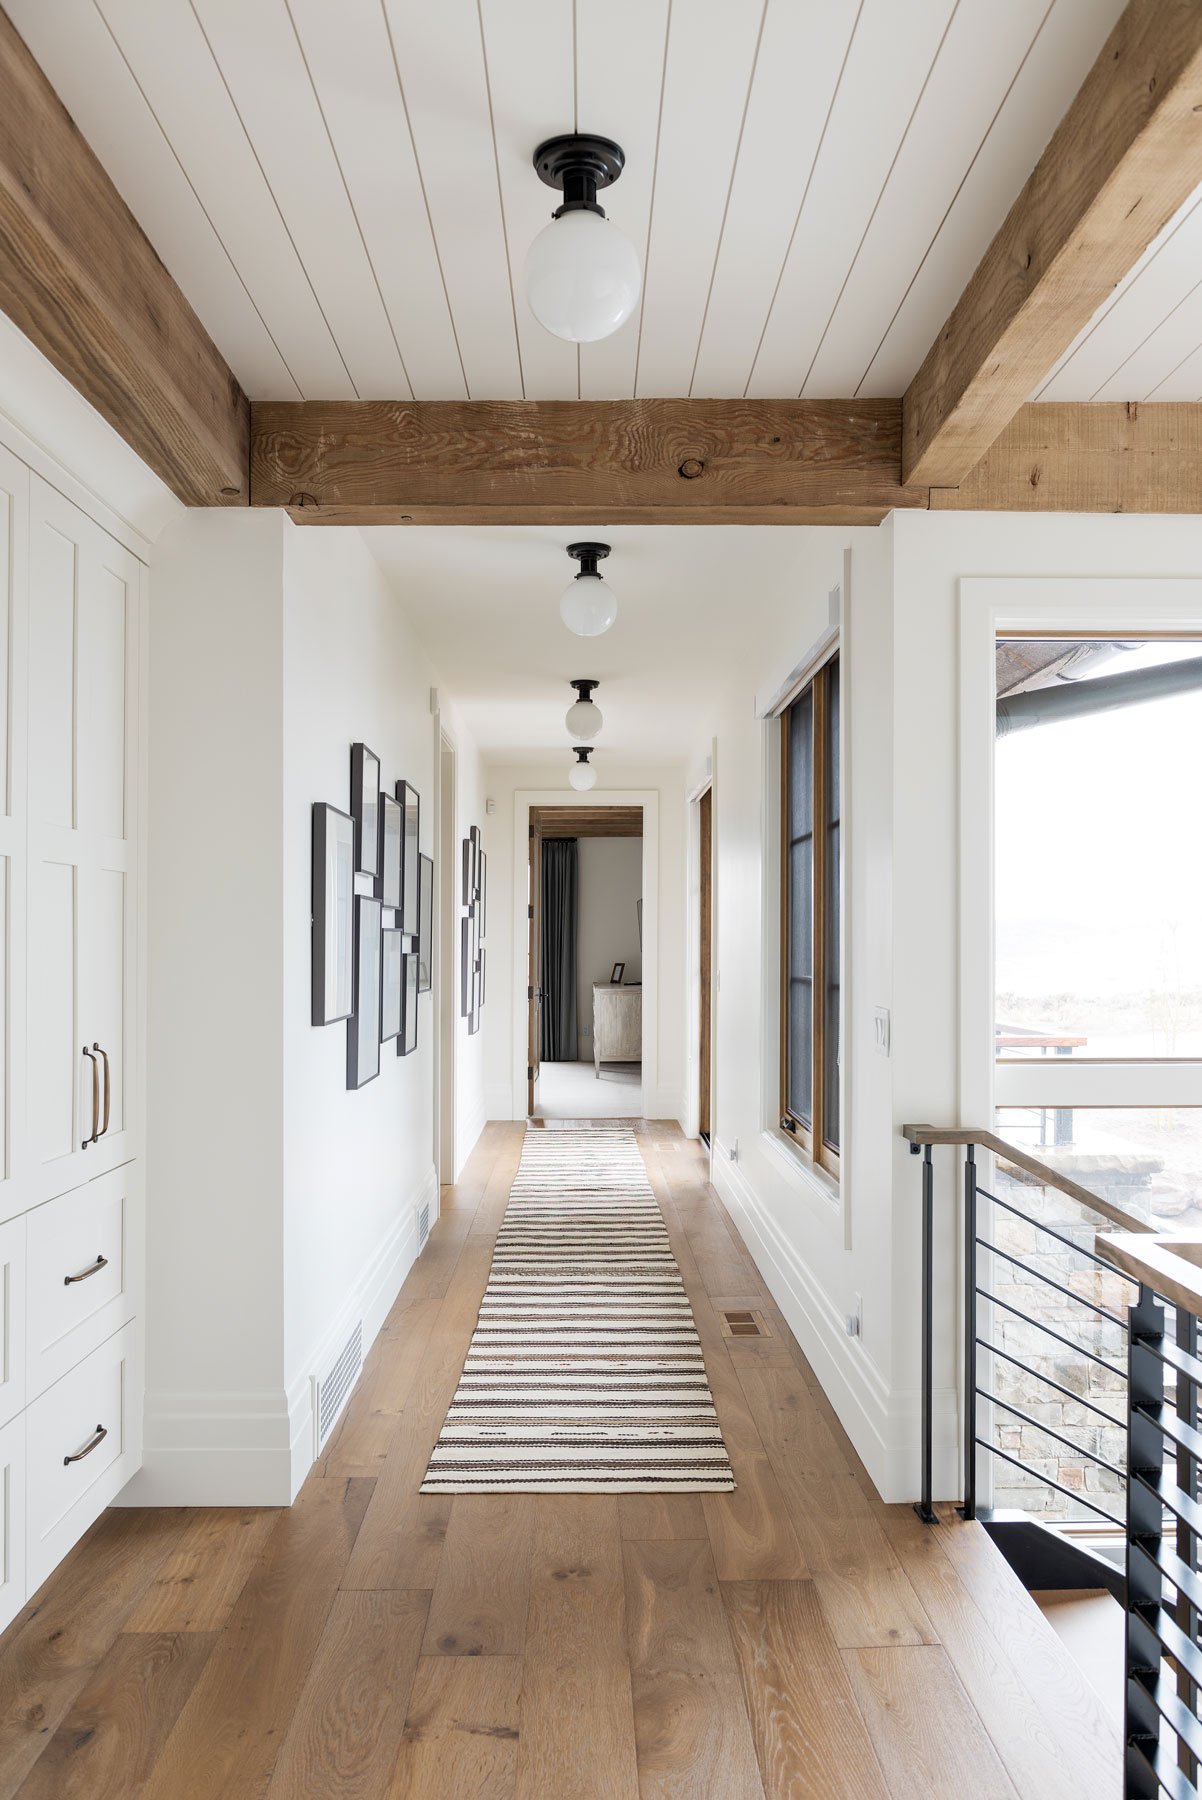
point(617, 1024)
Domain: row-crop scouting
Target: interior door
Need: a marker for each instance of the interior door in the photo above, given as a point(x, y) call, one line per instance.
point(534, 988)
point(705, 936)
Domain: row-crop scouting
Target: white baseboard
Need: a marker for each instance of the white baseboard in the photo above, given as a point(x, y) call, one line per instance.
point(467, 1134)
point(255, 1449)
point(882, 1423)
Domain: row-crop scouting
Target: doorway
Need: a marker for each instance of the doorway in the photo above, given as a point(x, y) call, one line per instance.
point(447, 941)
point(705, 940)
point(585, 996)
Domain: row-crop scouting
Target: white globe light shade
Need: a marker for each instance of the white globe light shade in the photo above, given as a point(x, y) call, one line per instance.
point(582, 776)
point(582, 277)
point(583, 719)
point(588, 606)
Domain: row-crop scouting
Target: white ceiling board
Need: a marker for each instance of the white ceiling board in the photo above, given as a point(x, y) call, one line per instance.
point(531, 78)
point(972, 72)
point(269, 83)
point(77, 52)
point(485, 602)
point(890, 58)
point(711, 55)
point(620, 51)
point(797, 74)
point(1043, 89)
point(441, 62)
point(349, 55)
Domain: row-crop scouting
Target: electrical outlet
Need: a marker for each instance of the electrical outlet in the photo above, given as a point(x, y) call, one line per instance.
point(853, 1322)
point(733, 1151)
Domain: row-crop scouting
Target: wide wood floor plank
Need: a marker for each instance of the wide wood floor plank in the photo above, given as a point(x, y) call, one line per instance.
point(347, 1727)
point(198, 1583)
point(809, 1735)
point(368, 1426)
point(692, 1730)
point(661, 1515)
point(53, 1645)
point(461, 1736)
point(478, 1607)
point(107, 1745)
point(229, 1734)
point(577, 1715)
point(931, 1744)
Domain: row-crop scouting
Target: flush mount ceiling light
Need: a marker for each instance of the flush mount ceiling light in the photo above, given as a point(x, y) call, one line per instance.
point(582, 774)
point(582, 276)
point(584, 719)
point(587, 605)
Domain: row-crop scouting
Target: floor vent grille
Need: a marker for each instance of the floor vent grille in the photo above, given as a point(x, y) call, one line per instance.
point(742, 1324)
point(423, 1225)
point(333, 1388)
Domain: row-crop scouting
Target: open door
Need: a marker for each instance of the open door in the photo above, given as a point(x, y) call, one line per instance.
point(534, 989)
point(705, 936)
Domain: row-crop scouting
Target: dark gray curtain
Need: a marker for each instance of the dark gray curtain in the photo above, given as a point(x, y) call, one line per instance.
point(558, 966)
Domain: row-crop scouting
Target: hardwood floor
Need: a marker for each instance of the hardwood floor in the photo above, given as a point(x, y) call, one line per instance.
point(796, 1638)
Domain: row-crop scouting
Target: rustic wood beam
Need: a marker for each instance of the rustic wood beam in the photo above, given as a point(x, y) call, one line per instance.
point(79, 277)
point(653, 462)
point(1125, 156)
point(1101, 458)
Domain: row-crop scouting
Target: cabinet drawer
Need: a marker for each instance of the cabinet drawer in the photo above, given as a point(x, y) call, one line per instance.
point(73, 1472)
point(12, 1519)
point(12, 1319)
point(78, 1280)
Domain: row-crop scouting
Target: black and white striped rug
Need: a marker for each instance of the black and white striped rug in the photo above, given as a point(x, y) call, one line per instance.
point(585, 1373)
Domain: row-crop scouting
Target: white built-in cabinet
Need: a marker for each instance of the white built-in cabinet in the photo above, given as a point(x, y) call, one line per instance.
point(72, 628)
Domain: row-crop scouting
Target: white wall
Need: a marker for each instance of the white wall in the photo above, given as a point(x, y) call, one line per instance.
point(281, 1207)
point(610, 882)
point(504, 1041)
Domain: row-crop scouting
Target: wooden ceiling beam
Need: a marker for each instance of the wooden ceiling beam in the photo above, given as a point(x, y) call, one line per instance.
point(81, 280)
point(652, 462)
point(1124, 158)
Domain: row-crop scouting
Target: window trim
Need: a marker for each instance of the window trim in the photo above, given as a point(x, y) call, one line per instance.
point(809, 1138)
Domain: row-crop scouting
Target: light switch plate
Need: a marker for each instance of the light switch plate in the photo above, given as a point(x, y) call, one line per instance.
point(880, 1030)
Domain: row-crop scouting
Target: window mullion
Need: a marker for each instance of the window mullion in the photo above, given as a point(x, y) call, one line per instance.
point(818, 911)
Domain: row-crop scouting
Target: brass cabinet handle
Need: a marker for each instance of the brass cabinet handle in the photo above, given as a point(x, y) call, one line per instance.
point(105, 1057)
point(95, 1099)
point(102, 1262)
point(98, 1437)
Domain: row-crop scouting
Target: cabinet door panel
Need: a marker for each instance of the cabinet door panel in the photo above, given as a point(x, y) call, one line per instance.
point(103, 952)
point(13, 1586)
point(102, 648)
point(13, 1387)
point(56, 1067)
point(54, 569)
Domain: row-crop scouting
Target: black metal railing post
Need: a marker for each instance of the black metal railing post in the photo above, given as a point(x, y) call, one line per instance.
point(1145, 1527)
point(969, 1509)
point(1187, 1538)
point(925, 1508)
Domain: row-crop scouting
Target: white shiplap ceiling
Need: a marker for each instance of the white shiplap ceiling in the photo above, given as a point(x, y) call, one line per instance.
point(343, 188)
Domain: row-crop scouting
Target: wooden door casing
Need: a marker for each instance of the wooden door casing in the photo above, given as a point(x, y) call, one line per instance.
point(706, 928)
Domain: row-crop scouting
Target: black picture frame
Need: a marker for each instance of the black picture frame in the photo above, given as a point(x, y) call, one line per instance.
point(407, 1042)
point(425, 935)
point(392, 958)
point(466, 965)
point(363, 1029)
point(480, 979)
point(388, 881)
point(469, 871)
point(617, 974)
point(477, 854)
point(365, 808)
point(483, 886)
point(333, 915)
point(410, 803)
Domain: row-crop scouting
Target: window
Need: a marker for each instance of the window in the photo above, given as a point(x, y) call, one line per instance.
point(811, 962)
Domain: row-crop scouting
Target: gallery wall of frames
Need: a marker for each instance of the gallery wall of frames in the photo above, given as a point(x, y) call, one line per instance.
point(472, 954)
point(373, 917)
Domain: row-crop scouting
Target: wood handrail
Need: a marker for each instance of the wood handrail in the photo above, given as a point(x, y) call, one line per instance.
point(1048, 1177)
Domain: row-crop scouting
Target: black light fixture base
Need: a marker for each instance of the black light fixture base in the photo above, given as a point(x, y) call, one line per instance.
point(578, 164)
point(588, 556)
point(583, 751)
point(584, 687)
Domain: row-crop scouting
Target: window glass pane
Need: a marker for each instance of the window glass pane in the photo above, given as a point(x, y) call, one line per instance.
point(798, 949)
point(1098, 850)
point(800, 1076)
point(831, 946)
point(800, 725)
point(1146, 1160)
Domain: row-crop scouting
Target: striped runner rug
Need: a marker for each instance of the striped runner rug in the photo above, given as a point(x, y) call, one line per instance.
point(585, 1373)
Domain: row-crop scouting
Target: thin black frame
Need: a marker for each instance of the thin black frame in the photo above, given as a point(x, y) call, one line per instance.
point(367, 830)
point(324, 845)
point(363, 1029)
point(469, 872)
point(617, 974)
point(425, 935)
point(410, 802)
point(392, 951)
point(388, 881)
point(407, 1042)
point(466, 970)
point(483, 894)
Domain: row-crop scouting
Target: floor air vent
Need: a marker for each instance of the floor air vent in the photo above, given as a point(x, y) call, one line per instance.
point(742, 1324)
point(423, 1226)
point(332, 1388)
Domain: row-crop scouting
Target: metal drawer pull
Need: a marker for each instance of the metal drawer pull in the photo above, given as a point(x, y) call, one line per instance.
point(107, 1090)
point(102, 1262)
point(97, 1437)
point(95, 1099)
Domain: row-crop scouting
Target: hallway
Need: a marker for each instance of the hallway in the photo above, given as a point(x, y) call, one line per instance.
point(794, 1638)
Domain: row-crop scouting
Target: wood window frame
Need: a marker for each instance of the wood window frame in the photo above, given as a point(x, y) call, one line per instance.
point(811, 1137)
